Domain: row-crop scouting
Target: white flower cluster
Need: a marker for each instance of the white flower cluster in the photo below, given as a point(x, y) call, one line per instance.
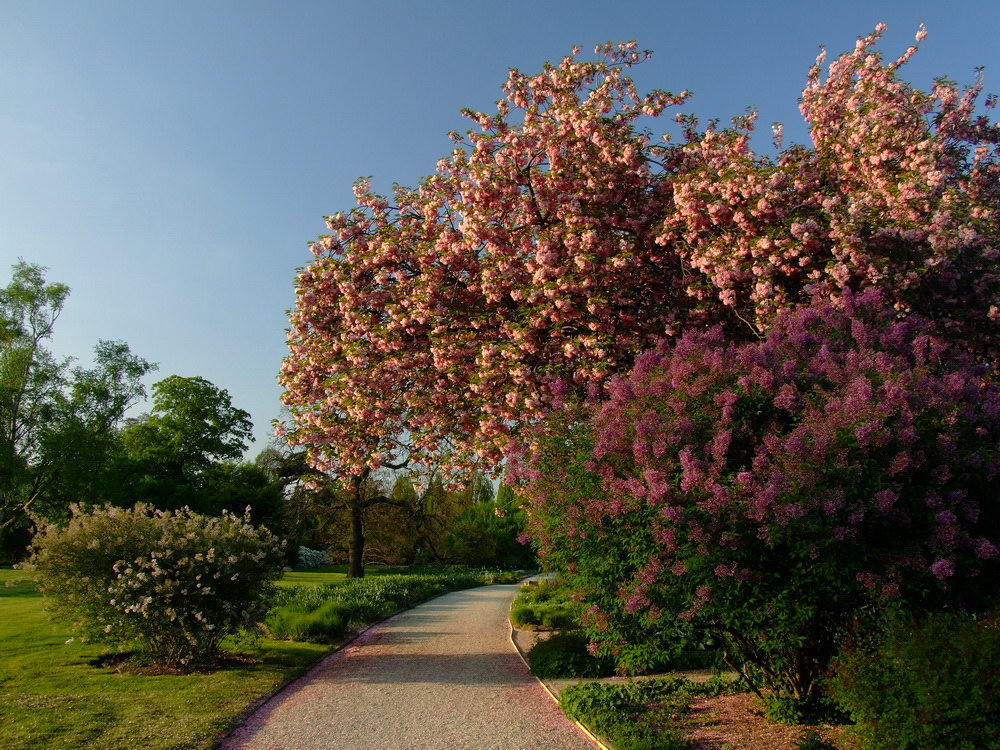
point(178, 582)
point(311, 558)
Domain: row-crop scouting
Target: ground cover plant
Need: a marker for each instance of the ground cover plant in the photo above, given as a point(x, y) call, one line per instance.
point(565, 654)
point(175, 583)
point(324, 574)
point(638, 715)
point(545, 604)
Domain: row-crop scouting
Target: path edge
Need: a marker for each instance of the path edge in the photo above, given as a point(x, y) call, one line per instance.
point(583, 728)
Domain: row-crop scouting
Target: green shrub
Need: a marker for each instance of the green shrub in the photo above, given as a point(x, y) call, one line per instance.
point(558, 617)
point(522, 615)
point(924, 685)
point(545, 604)
point(542, 590)
point(566, 655)
point(811, 740)
point(176, 582)
point(644, 715)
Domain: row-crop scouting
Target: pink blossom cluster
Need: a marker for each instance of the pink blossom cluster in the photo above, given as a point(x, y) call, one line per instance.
point(559, 240)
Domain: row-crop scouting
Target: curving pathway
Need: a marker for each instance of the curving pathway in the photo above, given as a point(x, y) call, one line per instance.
point(441, 676)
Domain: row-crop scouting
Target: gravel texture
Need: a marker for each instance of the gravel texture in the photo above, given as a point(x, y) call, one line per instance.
point(441, 676)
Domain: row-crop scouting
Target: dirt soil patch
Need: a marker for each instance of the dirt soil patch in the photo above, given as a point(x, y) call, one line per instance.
point(736, 722)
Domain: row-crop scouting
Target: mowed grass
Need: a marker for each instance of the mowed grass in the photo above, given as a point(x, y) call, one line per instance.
point(338, 573)
point(52, 696)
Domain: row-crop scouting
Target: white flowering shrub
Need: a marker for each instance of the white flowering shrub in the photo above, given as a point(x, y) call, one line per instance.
point(311, 558)
point(175, 582)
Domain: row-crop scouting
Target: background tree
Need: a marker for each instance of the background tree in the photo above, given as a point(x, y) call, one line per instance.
point(187, 453)
point(56, 420)
point(193, 424)
point(491, 533)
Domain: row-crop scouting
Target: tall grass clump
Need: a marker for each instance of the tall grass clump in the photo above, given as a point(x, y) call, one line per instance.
point(175, 583)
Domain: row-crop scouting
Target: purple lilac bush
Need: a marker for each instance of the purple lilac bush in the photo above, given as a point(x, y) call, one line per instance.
point(777, 492)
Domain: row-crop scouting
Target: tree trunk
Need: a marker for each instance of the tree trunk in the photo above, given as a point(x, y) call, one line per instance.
point(355, 564)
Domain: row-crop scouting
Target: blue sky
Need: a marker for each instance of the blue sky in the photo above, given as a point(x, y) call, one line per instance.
point(170, 161)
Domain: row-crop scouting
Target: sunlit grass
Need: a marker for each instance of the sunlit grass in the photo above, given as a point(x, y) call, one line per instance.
point(338, 573)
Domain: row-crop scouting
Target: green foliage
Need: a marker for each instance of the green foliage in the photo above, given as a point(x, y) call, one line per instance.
point(815, 709)
point(644, 715)
point(178, 583)
point(565, 654)
point(487, 532)
point(186, 453)
point(297, 622)
point(924, 685)
point(545, 604)
point(193, 424)
point(811, 740)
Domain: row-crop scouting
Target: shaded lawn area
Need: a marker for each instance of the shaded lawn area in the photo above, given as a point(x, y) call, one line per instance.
point(51, 696)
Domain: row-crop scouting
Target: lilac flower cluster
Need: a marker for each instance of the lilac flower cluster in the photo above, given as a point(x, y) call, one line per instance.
point(770, 490)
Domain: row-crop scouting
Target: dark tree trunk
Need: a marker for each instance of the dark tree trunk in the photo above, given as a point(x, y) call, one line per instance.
point(355, 564)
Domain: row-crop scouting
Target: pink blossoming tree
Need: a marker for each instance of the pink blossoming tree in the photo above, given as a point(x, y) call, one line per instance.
point(559, 240)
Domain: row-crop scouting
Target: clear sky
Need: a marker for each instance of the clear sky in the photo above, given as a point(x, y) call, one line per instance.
point(171, 160)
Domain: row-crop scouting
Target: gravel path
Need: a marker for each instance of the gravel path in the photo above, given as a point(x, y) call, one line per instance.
point(441, 676)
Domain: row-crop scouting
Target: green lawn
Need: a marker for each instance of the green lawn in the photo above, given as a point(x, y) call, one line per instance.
point(316, 576)
point(51, 696)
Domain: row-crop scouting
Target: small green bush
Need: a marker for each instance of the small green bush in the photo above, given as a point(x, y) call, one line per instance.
point(522, 615)
point(643, 715)
point(176, 582)
point(545, 604)
point(811, 740)
point(558, 617)
point(566, 655)
point(924, 685)
point(816, 709)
